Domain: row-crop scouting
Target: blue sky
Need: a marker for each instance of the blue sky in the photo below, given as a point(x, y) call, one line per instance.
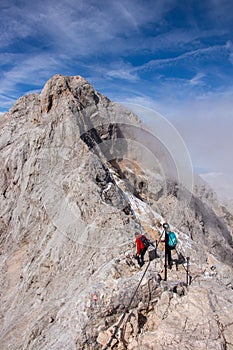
point(175, 56)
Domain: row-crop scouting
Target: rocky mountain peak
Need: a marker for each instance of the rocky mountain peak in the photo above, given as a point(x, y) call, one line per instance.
point(77, 182)
point(61, 87)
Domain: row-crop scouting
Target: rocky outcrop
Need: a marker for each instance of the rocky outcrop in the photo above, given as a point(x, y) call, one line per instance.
point(74, 188)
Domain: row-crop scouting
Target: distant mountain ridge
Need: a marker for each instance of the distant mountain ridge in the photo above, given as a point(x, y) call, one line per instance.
point(75, 187)
point(222, 186)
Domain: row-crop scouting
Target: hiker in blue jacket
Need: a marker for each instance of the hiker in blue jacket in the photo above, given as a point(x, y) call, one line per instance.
point(170, 243)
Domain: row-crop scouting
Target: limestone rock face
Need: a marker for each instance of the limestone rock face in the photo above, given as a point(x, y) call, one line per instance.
point(74, 189)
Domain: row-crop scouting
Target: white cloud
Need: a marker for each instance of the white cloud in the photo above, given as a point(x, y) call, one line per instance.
point(122, 74)
point(205, 124)
point(197, 79)
point(120, 70)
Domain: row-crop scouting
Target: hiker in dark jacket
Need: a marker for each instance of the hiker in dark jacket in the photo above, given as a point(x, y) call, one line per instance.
point(142, 244)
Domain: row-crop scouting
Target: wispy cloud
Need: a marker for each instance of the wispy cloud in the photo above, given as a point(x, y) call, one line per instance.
point(31, 70)
point(120, 70)
point(197, 79)
point(191, 55)
point(11, 25)
point(43, 39)
point(229, 46)
point(6, 101)
point(122, 74)
point(81, 26)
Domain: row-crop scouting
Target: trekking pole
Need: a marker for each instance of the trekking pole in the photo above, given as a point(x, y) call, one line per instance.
point(166, 257)
point(187, 271)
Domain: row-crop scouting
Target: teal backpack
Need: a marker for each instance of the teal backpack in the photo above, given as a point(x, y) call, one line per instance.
point(172, 240)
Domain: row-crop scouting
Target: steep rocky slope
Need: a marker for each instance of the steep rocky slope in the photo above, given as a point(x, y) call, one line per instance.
point(74, 188)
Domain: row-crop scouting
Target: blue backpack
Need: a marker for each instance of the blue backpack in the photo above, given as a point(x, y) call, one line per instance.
point(172, 240)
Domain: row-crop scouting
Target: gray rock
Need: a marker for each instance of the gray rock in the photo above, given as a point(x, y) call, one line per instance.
point(74, 189)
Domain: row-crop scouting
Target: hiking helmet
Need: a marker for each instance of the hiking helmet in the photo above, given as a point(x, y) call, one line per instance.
point(165, 225)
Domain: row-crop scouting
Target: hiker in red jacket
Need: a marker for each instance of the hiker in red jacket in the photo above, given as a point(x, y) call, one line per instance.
point(142, 244)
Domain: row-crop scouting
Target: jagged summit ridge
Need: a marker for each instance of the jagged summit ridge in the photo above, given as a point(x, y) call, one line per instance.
point(74, 189)
point(74, 87)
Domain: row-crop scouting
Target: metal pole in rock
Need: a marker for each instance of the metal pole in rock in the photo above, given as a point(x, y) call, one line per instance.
point(126, 311)
point(165, 263)
point(187, 271)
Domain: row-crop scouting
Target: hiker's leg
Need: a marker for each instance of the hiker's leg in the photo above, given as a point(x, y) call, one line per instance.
point(143, 252)
point(138, 259)
point(169, 257)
